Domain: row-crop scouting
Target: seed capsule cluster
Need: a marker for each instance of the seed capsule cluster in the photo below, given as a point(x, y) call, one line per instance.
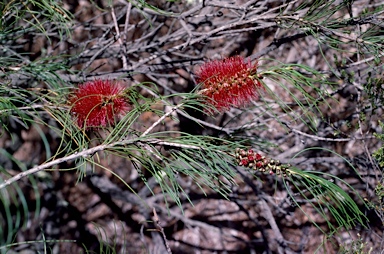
point(254, 160)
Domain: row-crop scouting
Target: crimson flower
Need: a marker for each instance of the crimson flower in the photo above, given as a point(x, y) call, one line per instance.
point(98, 103)
point(229, 82)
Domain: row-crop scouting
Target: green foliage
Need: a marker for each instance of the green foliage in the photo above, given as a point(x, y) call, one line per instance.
point(306, 87)
point(327, 198)
point(11, 100)
point(326, 21)
point(105, 239)
point(14, 204)
point(374, 88)
point(359, 246)
point(33, 15)
point(379, 154)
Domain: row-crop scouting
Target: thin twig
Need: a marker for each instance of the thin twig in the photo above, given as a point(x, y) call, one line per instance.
point(317, 138)
point(267, 214)
point(92, 151)
point(178, 145)
point(161, 229)
point(161, 119)
point(53, 163)
point(73, 156)
point(123, 55)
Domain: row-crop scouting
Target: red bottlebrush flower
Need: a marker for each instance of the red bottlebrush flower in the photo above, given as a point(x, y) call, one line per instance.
point(259, 165)
point(258, 157)
point(227, 82)
point(244, 162)
point(97, 103)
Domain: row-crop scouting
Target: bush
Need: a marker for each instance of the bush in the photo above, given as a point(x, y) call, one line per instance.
point(129, 125)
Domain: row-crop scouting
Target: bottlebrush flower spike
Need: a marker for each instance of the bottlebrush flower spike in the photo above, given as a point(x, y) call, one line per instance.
point(254, 160)
point(229, 82)
point(98, 103)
